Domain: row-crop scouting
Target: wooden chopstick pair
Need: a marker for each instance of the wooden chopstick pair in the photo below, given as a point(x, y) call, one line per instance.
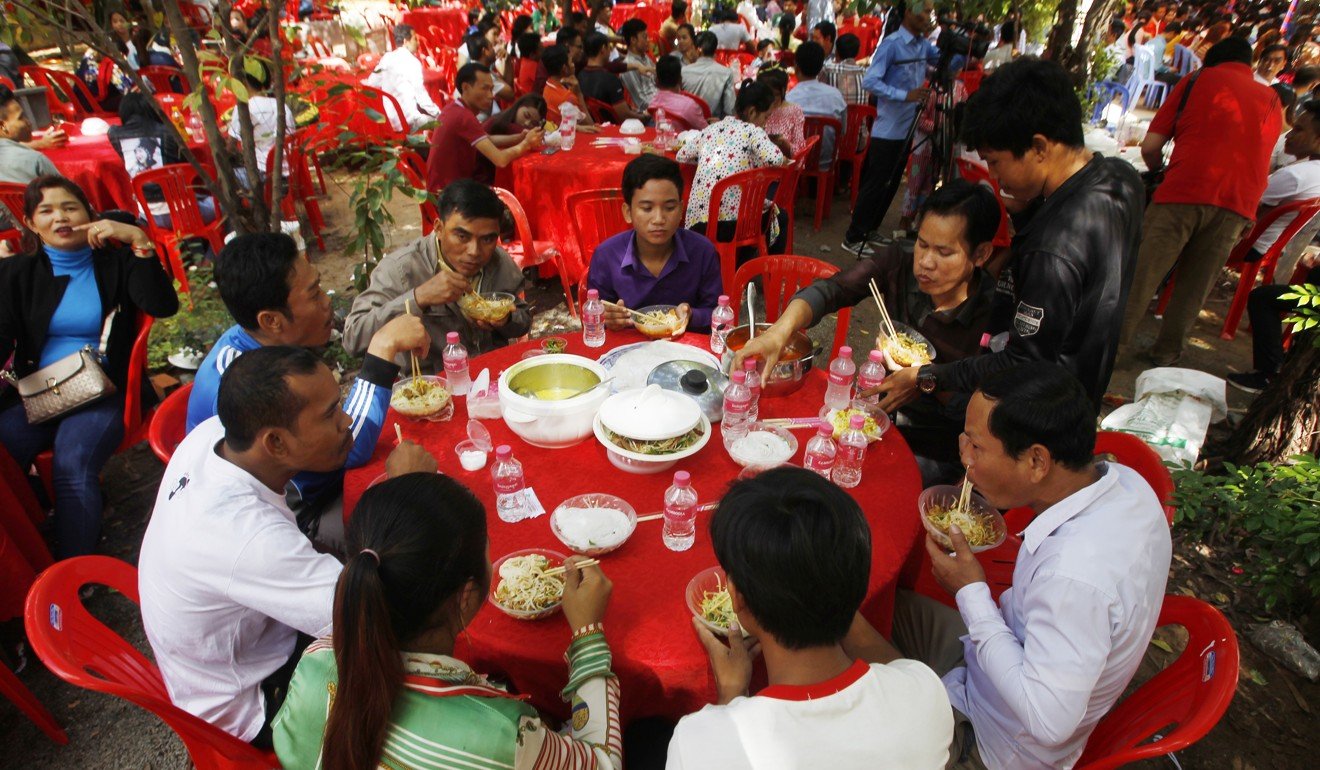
point(884, 314)
point(648, 317)
point(580, 565)
point(702, 508)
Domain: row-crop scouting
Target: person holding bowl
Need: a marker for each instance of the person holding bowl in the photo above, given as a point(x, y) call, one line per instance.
point(941, 290)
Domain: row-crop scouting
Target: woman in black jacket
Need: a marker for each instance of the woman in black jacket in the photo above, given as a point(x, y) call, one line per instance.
point(54, 300)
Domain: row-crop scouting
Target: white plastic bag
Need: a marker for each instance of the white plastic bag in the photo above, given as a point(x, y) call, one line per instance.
point(1172, 411)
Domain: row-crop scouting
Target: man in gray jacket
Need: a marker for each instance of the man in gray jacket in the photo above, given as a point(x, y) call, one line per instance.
point(430, 275)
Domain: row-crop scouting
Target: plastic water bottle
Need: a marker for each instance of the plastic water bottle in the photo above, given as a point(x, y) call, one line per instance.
point(664, 131)
point(507, 473)
point(839, 392)
point(737, 402)
point(455, 358)
point(852, 451)
point(593, 320)
point(871, 375)
point(680, 513)
point(821, 450)
point(568, 117)
point(195, 130)
point(721, 323)
point(754, 386)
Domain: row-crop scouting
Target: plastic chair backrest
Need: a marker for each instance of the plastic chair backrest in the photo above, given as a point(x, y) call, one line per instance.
point(782, 276)
point(753, 186)
point(1143, 64)
point(134, 415)
point(815, 126)
point(595, 216)
point(1180, 704)
point(858, 122)
point(413, 169)
point(1301, 211)
point(11, 197)
point(1131, 451)
point(7, 83)
point(169, 423)
point(82, 651)
point(166, 80)
point(601, 112)
point(66, 92)
point(701, 103)
point(679, 124)
point(521, 227)
point(179, 184)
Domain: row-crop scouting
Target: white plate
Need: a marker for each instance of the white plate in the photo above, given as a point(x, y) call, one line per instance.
point(183, 361)
point(650, 355)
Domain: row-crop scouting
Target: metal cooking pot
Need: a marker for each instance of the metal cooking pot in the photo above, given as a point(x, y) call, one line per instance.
point(788, 375)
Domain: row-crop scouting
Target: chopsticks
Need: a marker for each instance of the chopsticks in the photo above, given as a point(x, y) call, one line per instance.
point(648, 317)
point(398, 433)
point(751, 312)
point(580, 565)
point(416, 368)
point(965, 496)
point(702, 508)
point(884, 314)
point(792, 422)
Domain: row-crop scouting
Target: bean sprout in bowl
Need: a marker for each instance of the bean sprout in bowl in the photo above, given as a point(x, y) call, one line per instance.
point(669, 323)
point(593, 524)
point(422, 398)
point(764, 446)
point(708, 600)
point(981, 524)
point(877, 422)
point(520, 588)
point(492, 306)
point(908, 347)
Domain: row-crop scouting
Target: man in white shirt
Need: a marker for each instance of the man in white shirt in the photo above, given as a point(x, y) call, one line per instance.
point(730, 32)
point(399, 74)
point(1293, 182)
point(265, 113)
point(817, 98)
point(797, 553)
point(231, 590)
point(1030, 678)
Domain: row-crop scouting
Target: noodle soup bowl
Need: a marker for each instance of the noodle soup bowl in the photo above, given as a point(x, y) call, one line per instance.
point(665, 331)
point(893, 362)
point(491, 306)
point(946, 496)
point(575, 518)
point(433, 413)
point(708, 580)
point(554, 557)
point(789, 374)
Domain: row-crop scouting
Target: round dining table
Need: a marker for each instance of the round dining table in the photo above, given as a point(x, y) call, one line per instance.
point(653, 13)
point(661, 665)
point(543, 181)
point(438, 26)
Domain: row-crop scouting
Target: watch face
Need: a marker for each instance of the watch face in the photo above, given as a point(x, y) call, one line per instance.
point(926, 383)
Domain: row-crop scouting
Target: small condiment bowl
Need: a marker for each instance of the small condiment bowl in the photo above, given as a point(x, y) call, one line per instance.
point(709, 579)
point(946, 495)
point(468, 446)
point(555, 558)
point(592, 500)
point(790, 447)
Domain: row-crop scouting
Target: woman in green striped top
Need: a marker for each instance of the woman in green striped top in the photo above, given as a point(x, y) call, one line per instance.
point(385, 690)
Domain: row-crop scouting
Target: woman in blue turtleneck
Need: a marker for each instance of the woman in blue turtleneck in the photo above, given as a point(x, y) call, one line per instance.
point(54, 299)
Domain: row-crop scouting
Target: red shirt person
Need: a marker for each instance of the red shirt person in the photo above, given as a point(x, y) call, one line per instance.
point(1223, 137)
point(459, 141)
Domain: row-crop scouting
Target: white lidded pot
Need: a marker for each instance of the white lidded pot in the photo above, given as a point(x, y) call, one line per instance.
point(533, 402)
point(649, 414)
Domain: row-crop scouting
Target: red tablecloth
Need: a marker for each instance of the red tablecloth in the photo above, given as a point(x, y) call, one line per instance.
point(93, 164)
point(542, 184)
point(438, 26)
point(662, 667)
point(654, 14)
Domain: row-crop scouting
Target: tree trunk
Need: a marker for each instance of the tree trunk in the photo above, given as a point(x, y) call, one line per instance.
point(1284, 420)
point(1056, 47)
point(1096, 21)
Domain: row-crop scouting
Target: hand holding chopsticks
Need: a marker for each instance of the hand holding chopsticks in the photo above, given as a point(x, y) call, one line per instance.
point(644, 317)
point(580, 565)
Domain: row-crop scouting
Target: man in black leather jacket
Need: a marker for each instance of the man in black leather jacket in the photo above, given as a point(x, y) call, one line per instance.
point(1062, 294)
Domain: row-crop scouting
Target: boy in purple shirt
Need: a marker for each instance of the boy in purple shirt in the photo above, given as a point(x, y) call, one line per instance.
point(657, 262)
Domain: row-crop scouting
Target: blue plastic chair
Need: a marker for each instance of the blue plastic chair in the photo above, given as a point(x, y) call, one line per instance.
point(1104, 92)
point(1143, 78)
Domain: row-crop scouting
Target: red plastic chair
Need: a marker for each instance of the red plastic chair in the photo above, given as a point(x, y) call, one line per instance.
point(786, 194)
point(13, 688)
point(7, 83)
point(754, 185)
point(1131, 451)
point(782, 276)
point(82, 651)
point(1179, 705)
point(169, 423)
point(526, 251)
point(974, 173)
point(815, 127)
point(680, 125)
point(11, 197)
point(701, 103)
point(1302, 211)
point(166, 80)
point(298, 184)
point(601, 112)
point(854, 143)
point(20, 515)
point(67, 94)
point(595, 215)
point(179, 184)
point(413, 169)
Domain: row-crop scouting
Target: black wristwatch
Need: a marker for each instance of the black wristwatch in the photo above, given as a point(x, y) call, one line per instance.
point(926, 381)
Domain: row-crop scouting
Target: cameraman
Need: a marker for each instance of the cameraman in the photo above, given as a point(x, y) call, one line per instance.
point(896, 77)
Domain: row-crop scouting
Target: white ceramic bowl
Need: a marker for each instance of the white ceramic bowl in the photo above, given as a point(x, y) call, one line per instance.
point(551, 424)
point(635, 462)
point(562, 522)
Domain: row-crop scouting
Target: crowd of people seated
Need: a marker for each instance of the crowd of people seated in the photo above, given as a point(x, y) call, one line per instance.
point(328, 645)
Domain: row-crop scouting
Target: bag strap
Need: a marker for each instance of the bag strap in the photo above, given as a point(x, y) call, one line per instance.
point(105, 332)
point(1191, 81)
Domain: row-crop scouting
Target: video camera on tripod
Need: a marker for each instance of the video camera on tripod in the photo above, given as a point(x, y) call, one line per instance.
point(959, 38)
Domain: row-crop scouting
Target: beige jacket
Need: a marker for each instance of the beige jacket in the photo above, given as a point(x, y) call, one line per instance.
point(400, 272)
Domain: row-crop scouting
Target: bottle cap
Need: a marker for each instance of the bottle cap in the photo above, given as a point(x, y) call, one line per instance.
point(985, 340)
point(739, 377)
point(749, 365)
point(724, 300)
point(682, 478)
point(877, 356)
point(451, 338)
point(593, 294)
point(845, 352)
point(857, 421)
point(824, 428)
point(503, 452)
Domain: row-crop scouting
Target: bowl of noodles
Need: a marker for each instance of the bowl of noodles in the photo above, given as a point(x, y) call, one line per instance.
point(877, 422)
point(907, 347)
point(981, 524)
point(708, 600)
point(649, 430)
point(424, 397)
point(520, 587)
point(664, 322)
point(489, 306)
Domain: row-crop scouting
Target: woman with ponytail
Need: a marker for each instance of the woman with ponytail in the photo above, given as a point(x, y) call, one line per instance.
point(386, 691)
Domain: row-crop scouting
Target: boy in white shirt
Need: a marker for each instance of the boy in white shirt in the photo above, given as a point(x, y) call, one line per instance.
point(797, 552)
point(265, 112)
point(231, 590)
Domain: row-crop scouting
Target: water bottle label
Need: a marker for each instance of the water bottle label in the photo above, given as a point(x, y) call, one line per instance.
point(456, 364)
point(839, 379)
point(591, 318)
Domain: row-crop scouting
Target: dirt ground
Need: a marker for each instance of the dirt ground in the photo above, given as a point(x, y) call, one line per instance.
point(1271, 722)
